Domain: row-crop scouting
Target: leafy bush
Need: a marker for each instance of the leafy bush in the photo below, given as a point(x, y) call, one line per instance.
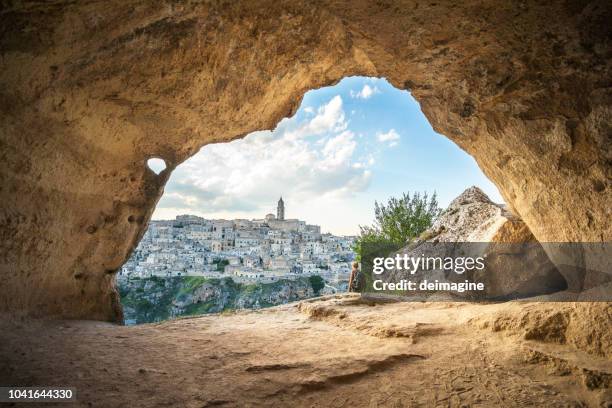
point(398, 222)
point(222, 264)
point(317, 283)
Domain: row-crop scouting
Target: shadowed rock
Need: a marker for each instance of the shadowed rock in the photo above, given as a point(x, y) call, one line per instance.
point(90, 92)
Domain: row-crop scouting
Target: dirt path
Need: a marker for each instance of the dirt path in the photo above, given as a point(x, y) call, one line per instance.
point(335, 352)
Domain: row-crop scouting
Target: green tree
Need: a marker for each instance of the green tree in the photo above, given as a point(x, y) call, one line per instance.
point(317, 283)
point(399, 221)
point(222, 264)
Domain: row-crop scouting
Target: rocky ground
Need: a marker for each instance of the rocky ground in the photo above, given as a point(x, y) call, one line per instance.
point(332, 351)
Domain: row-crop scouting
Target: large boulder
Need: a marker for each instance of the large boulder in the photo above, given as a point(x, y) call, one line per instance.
point(473, 217)
point(516, 265)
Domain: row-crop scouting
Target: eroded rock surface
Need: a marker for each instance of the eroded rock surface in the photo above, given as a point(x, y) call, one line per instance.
point(90, 90)
point(332, 352)
point(473, 217)
point(515, 264)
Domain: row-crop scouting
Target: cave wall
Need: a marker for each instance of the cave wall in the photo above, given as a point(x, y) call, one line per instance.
point(90, 90)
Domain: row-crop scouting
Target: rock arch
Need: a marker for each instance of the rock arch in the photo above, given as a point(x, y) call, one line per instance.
point(90, 91)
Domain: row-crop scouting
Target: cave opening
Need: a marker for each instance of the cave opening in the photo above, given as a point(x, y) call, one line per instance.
point(156, 165)
point(216, 233)
point(91, 92)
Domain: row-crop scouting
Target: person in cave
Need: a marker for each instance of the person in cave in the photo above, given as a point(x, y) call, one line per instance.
point(356, 279)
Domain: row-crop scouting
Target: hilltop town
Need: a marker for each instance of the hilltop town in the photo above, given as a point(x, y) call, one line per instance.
point(259, 250)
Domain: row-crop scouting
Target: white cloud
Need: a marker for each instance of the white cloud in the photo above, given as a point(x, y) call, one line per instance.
point(392, 137)
point(330, 117)
point(309, 109)
point(338, 149)
point(366, 92)
point(247, 175)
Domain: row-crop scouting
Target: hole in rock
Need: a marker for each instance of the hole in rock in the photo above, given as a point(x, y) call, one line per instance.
point(156, 165)
point(273, 217)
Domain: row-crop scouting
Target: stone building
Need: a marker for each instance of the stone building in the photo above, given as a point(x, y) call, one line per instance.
point(280, 210)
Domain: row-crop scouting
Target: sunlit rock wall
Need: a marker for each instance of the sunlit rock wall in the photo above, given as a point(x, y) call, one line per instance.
point(90, 90)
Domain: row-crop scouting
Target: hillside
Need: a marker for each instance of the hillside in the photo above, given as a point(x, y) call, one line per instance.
point(154, 299)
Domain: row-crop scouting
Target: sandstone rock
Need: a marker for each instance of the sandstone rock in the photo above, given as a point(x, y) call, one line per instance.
point(90, 91)
point(473, 217)
point(337, 351)
point(584, 325)
point(516, 265)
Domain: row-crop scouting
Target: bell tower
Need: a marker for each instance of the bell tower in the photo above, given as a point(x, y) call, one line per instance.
point(280, 210)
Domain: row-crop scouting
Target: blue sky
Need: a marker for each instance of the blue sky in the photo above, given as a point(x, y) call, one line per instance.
point(348, 145)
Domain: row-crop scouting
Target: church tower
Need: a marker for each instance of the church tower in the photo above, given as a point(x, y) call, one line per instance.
point(280, 210)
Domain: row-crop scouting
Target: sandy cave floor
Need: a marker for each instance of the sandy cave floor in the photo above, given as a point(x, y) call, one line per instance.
point(335, 351)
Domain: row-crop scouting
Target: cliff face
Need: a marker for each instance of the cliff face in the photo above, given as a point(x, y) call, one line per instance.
point(90, 90)
point(155, 299)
